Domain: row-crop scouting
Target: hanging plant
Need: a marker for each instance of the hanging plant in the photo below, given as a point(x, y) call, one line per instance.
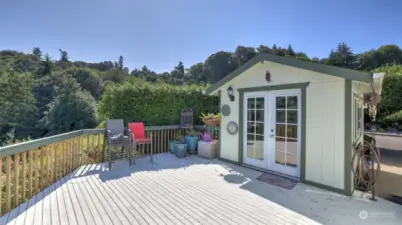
point(211, 119)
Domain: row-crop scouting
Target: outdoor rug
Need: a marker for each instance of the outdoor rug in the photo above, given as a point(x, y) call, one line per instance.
point(277, 180)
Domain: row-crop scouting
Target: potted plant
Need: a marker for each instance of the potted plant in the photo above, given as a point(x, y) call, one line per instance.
point(180, 146)
point(172, 146)
point(192, 139)
point(211, 119)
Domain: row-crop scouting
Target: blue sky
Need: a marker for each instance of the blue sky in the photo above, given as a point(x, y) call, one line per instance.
point(159, 33)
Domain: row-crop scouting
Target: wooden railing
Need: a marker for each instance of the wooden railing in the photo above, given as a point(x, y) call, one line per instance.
point(29, 167)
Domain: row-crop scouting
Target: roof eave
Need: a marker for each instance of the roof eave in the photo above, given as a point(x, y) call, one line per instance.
point(316, 67)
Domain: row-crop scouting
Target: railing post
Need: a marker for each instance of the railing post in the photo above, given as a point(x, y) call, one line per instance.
point(152, 149)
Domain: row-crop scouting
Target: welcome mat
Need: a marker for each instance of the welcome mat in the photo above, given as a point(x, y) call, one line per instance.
point(277, 180)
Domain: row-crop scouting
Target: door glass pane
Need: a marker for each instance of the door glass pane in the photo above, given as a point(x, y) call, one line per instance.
point(280, 116)
point(250, 127)
point(280, 102)
point(259, 103)
point(291, 102)
point(250, 115)
point(291, 131)
point(250, 151)
point(291, 116)
point(280, 157)
point(250, 103)
point(291, 146)
point(291, 160)
point(259, 115)
point(259, 128)
point(255, 128)
point(280, 144)
point(281, 130)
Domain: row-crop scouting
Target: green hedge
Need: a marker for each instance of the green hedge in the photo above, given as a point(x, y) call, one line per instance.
point(393, 120)
point(154, 104)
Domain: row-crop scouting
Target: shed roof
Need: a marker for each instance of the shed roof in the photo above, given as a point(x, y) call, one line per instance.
point(365, 77)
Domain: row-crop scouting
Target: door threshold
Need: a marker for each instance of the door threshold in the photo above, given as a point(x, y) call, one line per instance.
point(270, 172)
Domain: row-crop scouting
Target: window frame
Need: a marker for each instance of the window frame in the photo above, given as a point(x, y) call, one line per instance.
point(358, 117)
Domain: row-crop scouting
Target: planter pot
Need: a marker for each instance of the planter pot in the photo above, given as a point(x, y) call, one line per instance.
point(172, 146)
point(208, 149)
point(181, 150)
point(192, 142)
point(213, 122)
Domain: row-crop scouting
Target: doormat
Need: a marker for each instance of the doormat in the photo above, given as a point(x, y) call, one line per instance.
point(277, 180)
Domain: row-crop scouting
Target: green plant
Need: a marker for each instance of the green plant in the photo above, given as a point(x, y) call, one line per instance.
point(393, 120)
point(146, 102)
point(179, 138)
point(210, 116)
point(193, 133)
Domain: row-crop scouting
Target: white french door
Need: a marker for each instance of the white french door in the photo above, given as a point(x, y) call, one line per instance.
point(272, 123)
point(255, 121)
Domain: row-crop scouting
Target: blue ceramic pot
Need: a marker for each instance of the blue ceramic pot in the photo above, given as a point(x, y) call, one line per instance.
point(192, 142)
point(172, 146)
point(181, 150)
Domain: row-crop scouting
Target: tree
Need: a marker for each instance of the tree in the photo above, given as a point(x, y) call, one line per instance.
point(63, 56)
point(37, 52)
point(120, 64)
point(178, 71)
point(17, 104)
point(263, 49)
point(218, 65)
point(274, 49)
point(290, 51)
point(88, 79)
point(244, 54)
point(195, 72)
point(71, 110)
point(342, 56)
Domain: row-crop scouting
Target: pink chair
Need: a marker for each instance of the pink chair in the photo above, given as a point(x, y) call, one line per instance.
point(137, 131)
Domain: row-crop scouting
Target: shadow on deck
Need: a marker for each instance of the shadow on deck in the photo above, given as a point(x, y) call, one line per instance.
point(192, 190)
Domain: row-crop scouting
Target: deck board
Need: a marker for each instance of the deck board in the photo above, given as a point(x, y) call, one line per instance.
point(187, 191)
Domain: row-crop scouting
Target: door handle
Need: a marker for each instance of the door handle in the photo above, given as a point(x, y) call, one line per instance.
point(272, 135)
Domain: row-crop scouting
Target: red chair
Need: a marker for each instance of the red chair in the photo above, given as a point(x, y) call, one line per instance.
point(138, 136)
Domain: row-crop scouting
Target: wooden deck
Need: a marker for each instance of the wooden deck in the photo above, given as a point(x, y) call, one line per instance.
point(189, 191)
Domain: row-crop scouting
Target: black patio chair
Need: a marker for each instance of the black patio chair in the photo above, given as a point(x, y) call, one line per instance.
point(117, 136)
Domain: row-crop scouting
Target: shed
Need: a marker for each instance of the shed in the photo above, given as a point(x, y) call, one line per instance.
point(296, 118)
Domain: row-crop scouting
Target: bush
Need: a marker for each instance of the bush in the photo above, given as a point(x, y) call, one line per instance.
point(158, 104)
point(71, 110)
point(393, 120)
point(391, 96)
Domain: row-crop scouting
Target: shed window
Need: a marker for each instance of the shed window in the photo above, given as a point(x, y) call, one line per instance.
point(358, 118)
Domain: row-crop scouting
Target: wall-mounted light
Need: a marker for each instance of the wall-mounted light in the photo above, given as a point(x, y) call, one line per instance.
point(231, 93)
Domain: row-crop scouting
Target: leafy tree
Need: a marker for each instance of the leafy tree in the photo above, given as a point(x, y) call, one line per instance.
point(88, 79)
point(274, 49)
point(244, 54)
point(37, 52)
point(71, 110)
point(178, 71)
point(120, 64)
point(63, 56)
point(263, 49)
point(302, 56)
point(342, 56)
point(290, 51)
point(17, 104)
point(219, 65)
